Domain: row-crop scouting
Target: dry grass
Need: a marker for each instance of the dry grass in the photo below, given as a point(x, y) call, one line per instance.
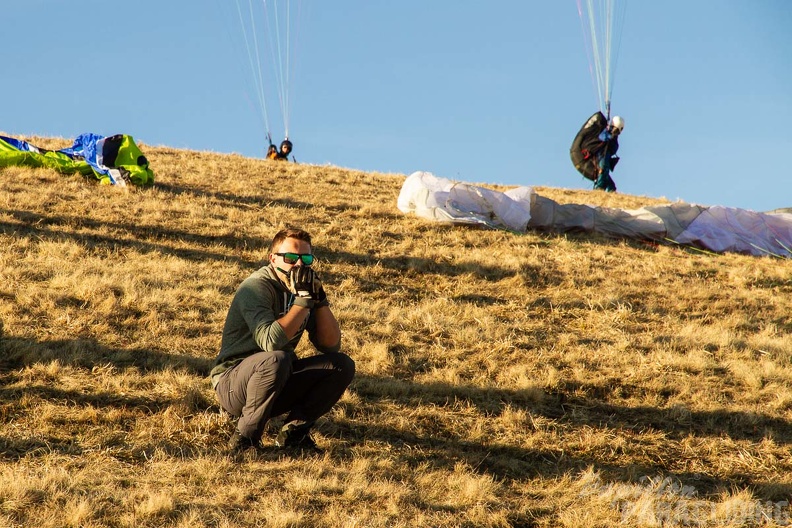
point(503, 380)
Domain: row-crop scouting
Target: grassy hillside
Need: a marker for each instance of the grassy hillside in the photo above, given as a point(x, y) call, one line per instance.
point(503, 380)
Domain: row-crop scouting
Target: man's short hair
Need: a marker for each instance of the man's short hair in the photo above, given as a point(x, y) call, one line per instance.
point(289, 232)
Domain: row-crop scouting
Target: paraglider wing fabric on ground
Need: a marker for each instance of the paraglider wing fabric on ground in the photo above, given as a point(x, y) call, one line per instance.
point(548, 215)
point(14, 152)
point(114, 160)
point(718, 229)
point(447, 201)
point(724, 229)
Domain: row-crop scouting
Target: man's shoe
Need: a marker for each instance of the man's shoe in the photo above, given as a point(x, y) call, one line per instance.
point(296, 436)
point(239, 443)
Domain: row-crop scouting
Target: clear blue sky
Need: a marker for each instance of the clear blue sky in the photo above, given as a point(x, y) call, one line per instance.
point(483, 92)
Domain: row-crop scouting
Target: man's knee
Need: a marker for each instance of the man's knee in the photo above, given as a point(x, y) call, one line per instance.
point(276, 362)
point(345, 365)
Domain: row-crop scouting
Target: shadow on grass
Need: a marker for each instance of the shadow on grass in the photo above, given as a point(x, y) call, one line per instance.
point(158, 238)
point(29, 444)
point(404, 266)
point(114, 439)
point(414, 447)
point(35, 226)
point(20, 399)
point(18, 448)
point(230, 200)
point(508, 462)
point(16, 353)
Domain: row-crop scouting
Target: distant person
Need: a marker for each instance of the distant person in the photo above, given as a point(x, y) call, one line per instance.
point(272, 152)
point(593, 151)
point(257, 374)
point(285, 150)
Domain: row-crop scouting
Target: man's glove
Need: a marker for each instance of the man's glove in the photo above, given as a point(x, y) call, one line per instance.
point(306, 286)
point(301, 281)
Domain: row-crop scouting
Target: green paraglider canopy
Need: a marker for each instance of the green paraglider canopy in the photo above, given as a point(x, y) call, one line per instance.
point(113, 160)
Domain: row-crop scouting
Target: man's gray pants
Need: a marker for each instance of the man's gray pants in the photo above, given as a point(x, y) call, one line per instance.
point(267, 384)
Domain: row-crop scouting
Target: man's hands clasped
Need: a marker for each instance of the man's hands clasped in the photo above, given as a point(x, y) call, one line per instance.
point(306, 285)
point(304, 282)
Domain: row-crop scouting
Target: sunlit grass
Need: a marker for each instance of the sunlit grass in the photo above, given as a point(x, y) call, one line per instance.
point(502, 379)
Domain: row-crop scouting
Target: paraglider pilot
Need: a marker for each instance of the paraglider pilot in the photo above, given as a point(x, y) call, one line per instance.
point(593, 151)
point(274, 153)
point(285, 150)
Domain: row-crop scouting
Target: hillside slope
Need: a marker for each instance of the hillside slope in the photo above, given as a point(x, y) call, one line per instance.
point(503, 380)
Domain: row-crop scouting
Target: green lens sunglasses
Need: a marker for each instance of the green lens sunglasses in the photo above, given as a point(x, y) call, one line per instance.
point(292, 258)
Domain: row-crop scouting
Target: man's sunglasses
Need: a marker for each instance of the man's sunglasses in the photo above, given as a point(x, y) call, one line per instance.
point(292, 258)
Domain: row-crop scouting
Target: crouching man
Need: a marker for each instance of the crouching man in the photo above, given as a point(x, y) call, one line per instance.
point(257, 374)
